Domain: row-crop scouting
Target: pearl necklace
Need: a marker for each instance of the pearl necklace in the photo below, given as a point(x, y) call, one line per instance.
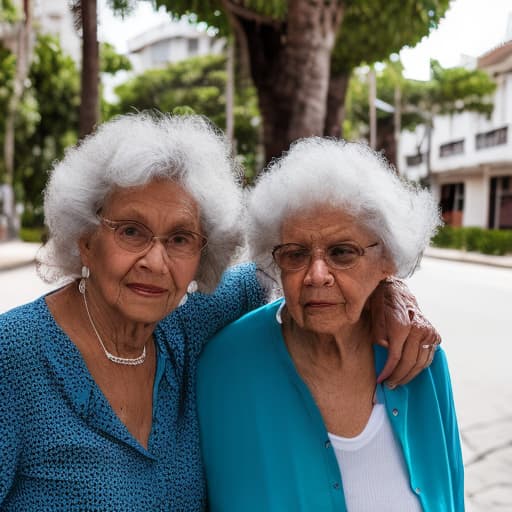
point(111, 357)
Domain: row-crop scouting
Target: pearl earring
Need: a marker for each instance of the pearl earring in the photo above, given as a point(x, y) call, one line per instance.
point(191, 288)
point(83, 282)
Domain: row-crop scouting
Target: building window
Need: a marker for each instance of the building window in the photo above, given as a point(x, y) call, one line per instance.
point(452, 148)
point(193, 46)
point(452, 203)
point(500, 204)
point(414, 160)
point(492, 138)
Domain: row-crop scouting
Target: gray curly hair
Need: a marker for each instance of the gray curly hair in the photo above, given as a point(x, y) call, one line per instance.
point(133, 150)
point(351, 177)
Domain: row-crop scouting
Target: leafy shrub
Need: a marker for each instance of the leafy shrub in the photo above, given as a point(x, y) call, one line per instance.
point(486, 241)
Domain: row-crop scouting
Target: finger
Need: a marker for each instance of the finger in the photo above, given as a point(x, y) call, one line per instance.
point(409, 361)
point(426, 343)
point(426, 355)
point(394, 357)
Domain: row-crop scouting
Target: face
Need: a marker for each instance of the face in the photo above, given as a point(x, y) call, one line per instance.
point(144, 286)
point(320, 298)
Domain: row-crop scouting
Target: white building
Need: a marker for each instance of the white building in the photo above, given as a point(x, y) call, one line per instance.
point(471, 157)
point(169, 43)
point(54, 17)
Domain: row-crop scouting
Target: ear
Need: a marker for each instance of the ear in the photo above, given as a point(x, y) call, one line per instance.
point(388, 268)
point(84, 246)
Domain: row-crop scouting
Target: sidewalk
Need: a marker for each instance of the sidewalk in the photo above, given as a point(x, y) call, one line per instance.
point(16, 253)
point(469, 257)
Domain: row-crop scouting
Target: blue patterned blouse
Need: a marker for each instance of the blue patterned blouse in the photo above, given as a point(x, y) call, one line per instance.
point(62, 447)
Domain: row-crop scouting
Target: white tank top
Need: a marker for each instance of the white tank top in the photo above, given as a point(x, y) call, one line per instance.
point(373, 468)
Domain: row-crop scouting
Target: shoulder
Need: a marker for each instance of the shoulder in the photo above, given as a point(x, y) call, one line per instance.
point(240, 356)
point(22, 334)
point(21, 325)
point(246, 337)
point(244, 332)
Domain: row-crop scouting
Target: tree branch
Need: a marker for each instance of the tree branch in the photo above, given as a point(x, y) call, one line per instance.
point(248, 14)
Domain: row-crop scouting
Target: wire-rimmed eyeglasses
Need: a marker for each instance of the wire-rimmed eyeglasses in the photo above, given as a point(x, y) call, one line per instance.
point(340, 256)
point(133, 236)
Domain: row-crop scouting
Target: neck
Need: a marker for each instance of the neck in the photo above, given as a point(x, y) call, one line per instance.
point(123, 342)
point(349, 345)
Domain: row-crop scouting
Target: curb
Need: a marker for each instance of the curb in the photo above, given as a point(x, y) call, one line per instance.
point(469, 257)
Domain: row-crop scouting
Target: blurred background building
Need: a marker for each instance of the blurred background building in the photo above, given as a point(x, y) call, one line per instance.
point(471, 157)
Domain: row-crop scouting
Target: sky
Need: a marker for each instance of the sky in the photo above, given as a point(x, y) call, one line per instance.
point(469, 27)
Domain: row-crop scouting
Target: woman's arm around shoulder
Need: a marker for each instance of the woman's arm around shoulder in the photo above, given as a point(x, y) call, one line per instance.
point(238, 293)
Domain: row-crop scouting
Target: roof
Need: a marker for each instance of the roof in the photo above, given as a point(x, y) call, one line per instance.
point(498, 59)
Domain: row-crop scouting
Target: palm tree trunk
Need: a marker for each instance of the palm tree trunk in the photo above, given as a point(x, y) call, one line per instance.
point(89, 104)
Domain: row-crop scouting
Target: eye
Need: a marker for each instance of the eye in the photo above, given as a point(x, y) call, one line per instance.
point(182, 239)
point(343, 253)
point(132, 232)
point(294, 256)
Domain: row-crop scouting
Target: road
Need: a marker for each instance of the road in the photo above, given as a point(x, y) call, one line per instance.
point(471, 306)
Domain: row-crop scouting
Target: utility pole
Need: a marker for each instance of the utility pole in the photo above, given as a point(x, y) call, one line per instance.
point(230, 91)
point(372, 95)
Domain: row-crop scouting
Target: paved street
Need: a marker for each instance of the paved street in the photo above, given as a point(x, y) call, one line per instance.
point(471, 306)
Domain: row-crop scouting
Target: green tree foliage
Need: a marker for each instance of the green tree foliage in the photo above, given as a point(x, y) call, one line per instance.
point(47, 124)
point(8, 12)
point(111, 62)
point(449, 91)
point(372, 30)
point(199, 84)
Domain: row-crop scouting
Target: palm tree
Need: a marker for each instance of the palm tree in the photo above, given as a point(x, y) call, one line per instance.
point(86, 21)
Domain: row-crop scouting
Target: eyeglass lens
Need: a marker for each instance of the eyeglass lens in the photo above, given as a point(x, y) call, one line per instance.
point(294, 256)
point(136, 237)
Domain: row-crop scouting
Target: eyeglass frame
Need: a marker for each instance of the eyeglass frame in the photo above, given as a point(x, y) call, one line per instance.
point(360, 250)
point(115, 224)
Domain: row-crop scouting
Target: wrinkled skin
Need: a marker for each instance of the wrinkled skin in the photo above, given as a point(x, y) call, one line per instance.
point(399, 325)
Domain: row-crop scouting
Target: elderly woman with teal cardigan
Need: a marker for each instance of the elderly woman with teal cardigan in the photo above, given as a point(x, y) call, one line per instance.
point(291, 414)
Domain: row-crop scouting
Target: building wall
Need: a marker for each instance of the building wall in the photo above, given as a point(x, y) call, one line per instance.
point(475, 167)
point(54, 17)
point(169, 43)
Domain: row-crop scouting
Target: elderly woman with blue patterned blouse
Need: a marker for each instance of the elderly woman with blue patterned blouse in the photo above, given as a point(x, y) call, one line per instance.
point(291, 415)
point(97, 387)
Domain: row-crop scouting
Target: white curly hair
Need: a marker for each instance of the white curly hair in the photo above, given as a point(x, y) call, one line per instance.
point(348, 176)
point(133, 150)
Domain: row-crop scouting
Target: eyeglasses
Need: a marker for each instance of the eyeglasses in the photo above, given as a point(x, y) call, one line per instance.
point(135, 237)
point(341, 256)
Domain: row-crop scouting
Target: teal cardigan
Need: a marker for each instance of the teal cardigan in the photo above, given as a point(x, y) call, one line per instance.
point(265, 445)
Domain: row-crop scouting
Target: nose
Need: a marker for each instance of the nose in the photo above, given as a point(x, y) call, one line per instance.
point(319, 273)
point(156, 258)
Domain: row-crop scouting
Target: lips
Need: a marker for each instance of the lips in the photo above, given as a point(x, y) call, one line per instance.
point(147, 289)
point(319, 304)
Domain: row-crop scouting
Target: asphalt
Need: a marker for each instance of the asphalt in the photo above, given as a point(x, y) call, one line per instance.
point(15, 253)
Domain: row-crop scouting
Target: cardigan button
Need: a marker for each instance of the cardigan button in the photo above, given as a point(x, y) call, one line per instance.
point(336, 485)
point(395, 412)
point(417, 490)
point(327, 444)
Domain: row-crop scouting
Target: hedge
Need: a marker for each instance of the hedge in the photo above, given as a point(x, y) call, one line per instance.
point(486, 241)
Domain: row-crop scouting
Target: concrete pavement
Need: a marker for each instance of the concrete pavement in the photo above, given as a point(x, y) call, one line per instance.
point(16, 253)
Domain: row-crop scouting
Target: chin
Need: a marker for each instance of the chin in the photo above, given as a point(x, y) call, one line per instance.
point(147, 315)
